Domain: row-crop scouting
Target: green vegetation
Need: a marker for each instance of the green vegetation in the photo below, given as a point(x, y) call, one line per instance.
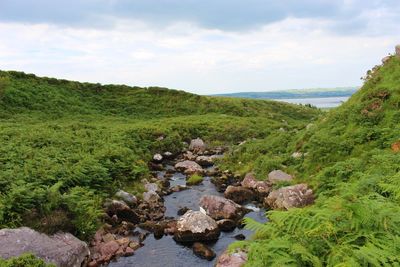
point(348, 160)
point(25, 260)
point(194, 179)
point(67, 146)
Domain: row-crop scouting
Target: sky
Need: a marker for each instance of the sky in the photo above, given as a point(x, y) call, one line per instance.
point(200, 46)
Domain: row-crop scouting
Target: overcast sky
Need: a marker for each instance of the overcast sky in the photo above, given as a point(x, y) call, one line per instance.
point(200, 46)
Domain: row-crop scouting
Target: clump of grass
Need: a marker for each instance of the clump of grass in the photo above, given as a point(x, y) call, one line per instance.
point(194, 179)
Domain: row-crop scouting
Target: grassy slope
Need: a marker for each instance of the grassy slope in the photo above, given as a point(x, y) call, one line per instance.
point(65, 146)
point(356, 175)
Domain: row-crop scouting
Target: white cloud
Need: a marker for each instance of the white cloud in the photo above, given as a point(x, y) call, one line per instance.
point(293, 53)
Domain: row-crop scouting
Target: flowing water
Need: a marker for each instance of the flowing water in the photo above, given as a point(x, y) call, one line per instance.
point(165, 252)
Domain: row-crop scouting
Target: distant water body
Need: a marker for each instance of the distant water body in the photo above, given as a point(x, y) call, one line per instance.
point(322, 102)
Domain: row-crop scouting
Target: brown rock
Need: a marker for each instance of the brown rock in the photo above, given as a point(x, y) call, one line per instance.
point(62, 249)
point(294, 196)
point(221, 208)
point(239, 194)
point(203, 251)
point(279, 176)
point(196, 226)
point(236, 259)
point(398, 51)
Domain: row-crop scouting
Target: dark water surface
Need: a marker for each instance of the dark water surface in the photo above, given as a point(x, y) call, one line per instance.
point(165, 252)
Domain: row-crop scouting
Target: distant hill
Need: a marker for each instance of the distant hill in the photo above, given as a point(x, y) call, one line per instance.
point(298, 93)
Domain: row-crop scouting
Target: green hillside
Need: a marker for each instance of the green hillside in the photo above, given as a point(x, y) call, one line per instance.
point(350, 159)
point(66, 146)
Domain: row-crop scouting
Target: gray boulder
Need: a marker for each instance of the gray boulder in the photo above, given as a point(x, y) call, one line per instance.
point(279, 176)
point(62, 249)
point(195, 226)
point(295, 196)
point(398, 51)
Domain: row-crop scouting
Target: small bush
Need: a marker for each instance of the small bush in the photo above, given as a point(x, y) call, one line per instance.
point(25, 260)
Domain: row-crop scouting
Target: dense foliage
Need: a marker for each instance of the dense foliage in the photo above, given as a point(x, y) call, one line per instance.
point(66, 146)
point(351, 158)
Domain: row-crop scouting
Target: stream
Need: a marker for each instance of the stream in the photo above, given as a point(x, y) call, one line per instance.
point(165, 252)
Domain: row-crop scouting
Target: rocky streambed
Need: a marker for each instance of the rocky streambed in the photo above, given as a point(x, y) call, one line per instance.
point(172, 223)
point(176, 224)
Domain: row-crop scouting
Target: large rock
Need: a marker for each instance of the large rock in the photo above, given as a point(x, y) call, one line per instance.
point(188, 167)
point(236, 259)
point(221, 208)
point(196, 226)
point(62, 249)
point(122, 211)
point(398, 51)
point(128, 198)
point(295, 196)
point(279, 176)
point(239, 194)
point(197, 145)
